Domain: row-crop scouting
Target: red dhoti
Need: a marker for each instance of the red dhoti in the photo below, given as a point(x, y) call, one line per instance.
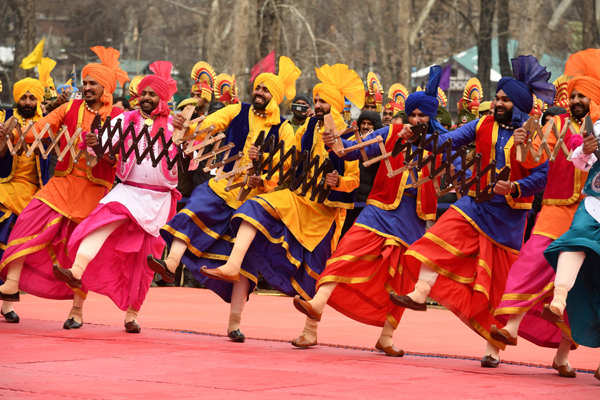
point(366, 267)
point(472, 270)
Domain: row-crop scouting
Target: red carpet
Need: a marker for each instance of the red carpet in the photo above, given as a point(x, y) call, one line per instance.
point(101, 361)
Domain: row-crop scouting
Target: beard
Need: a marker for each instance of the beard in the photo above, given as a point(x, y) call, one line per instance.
point(505, 118)
point(259, 106)
point(147, 106)
point(26, 112)
point(578, 111)
point(320, 113)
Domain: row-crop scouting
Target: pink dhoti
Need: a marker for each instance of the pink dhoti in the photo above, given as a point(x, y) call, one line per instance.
point(530, 285)
point(119, 271)
point(40, 235)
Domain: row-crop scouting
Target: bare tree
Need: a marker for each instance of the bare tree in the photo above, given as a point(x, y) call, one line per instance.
point(590, 36)
point(405, 50)
point(25, 35)
point(240, 37)
point(484, 44)
point(503, 36)
point(530, 40)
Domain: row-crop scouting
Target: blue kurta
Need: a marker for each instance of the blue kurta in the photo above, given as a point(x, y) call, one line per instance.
point(495, 217)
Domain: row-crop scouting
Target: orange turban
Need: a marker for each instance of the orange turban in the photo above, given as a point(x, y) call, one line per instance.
point(107, 73)
point(34, 86)
point(281, 85)
point(583, 70)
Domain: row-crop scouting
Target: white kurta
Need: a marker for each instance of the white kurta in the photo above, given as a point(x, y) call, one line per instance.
point(150, 208)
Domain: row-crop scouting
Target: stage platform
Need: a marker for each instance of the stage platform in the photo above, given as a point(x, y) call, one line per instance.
point(182, 354)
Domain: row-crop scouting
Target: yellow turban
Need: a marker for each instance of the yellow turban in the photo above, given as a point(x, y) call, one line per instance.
point(484, 106)
point(30, 85)
point(339, 81)
point(107, 73)
point(281, 85)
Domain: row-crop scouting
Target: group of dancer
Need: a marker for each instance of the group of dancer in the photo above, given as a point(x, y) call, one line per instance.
point(76, 232)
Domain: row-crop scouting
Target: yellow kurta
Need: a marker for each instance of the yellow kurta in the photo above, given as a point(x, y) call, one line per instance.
point(308, 220)
point(17, 192)
point(17, 189)
point(220, 120)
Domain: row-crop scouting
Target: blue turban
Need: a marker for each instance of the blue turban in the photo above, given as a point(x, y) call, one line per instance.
point(424, 102)
point(529, 77)
point(518, 92)
point(427, 101)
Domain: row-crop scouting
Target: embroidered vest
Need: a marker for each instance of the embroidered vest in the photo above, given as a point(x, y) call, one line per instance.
point(237, 132)
point(485, 144)
point(125, 167)
point(102, 173)
point(387, 192)
point(565, 182)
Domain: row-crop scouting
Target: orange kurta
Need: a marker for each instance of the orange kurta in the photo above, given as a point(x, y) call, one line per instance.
point(74, 195)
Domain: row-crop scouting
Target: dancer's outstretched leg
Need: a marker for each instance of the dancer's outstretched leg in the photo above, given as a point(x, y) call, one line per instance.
point(166, 268)
point(230, 271)
point(568, 266)
point(415, 300)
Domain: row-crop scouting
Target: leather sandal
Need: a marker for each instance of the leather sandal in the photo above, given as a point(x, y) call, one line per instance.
point(303, 343)
point(11, 317)
point(236, 336)
point(306, 308)
point(160, 267)
point(488, 361)
point(132, 327)
point(71, 323)
point(389, 350)
point(566, 371)
point(502, 335)
point(407, 302)
point(215, 273)
point(550, 314)
point(66, 276)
